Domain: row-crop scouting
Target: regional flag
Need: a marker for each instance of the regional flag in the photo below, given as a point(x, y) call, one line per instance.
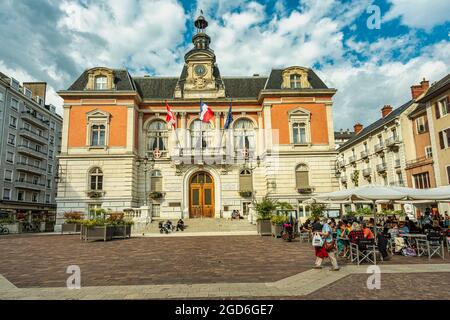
point(170, 117)
point(206, 112)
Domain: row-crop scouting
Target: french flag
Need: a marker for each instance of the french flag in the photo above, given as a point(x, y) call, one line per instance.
point(206, 112)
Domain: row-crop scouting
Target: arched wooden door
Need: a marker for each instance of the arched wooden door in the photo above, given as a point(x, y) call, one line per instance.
point(201, 195)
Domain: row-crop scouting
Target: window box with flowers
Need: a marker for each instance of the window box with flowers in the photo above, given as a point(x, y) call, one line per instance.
point(246, 193)
point(305, 190)
point(95, 194)
point(156, 195)
point(73, 220)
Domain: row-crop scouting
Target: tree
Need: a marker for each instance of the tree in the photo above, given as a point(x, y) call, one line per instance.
point(317, 210)
point(265, 207)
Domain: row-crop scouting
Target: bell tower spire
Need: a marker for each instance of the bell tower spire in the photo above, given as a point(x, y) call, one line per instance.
point(201, 40)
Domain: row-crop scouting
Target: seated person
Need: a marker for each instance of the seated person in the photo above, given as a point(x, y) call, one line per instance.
point(436, 226)
point(180, 225)
point(368, 234)
point(235, 214)
point(403, 228)
point(356, 233)
point(393, 231)
point(411, 225)
point(306, 226)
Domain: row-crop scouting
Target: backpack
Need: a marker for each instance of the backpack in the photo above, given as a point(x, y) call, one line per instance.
point(317, 240)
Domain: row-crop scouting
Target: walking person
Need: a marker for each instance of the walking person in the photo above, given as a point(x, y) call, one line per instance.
point(328, 245)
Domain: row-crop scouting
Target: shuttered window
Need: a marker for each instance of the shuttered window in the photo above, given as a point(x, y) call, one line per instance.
point(441, 139)
point(436, 108)
point(156, 181)
point(302, 177)
point(245, 180)
point(448, 174)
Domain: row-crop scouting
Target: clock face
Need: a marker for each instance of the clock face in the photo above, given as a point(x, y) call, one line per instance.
point(200, 70)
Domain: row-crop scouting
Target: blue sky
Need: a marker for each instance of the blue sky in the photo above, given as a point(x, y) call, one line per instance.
point(55, 41)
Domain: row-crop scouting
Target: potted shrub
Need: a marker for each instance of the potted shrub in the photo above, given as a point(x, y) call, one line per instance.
point(96, 229)
point(155, 195)
point(245, 194)
point(264, 210)
point(121, 227)
point(11, 224)
point(277, 225)
point(72, 222)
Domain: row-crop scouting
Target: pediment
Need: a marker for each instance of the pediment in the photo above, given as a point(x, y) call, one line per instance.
point(299, 112)
point(98, 114)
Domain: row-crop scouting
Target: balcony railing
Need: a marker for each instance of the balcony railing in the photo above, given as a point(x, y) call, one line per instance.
point(364, 154)
point(29, 185)
point(33, 136)
point(32, 152)
point(366, 172)
point(381, 167)
point(341, 163)
point(419, 161)
point(21, 166)
point(30, 117)
point(392, 141)
point(399, 183)
point(344, 179)
point(397, 163)
point(352, 159)
point(379, 147)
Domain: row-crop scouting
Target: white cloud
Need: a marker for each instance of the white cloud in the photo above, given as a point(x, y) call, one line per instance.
point(423, 14)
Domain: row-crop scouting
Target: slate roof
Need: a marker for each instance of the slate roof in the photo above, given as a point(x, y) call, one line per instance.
point(275, 80)
point(150, 87)
point(122, 80)
point(376, 125)
point(344, 134)
point(445, 81)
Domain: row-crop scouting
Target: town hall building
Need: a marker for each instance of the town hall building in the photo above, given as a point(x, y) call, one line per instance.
point(270, 136)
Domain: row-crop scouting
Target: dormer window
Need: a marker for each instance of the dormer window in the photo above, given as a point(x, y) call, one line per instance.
point(101, 83)
point(295, 81)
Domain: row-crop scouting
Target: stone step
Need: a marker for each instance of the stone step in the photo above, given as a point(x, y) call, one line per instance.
point(203, 225)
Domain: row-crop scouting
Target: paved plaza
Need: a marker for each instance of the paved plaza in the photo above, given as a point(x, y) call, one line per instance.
point(214, 267)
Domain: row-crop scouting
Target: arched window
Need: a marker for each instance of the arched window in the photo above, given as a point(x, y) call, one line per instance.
point(302, 176)
point(201, 135)
point(101, 83)
point(244, 134)
point(98, 132)
point(295, 81)
point(157, 136)
point(156, 181)
point(245, 180)
point(96, 179)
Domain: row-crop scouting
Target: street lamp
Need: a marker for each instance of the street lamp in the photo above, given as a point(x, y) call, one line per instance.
point(146, 161)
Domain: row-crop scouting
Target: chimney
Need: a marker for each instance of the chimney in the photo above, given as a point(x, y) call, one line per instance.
point(386, 110)
point(37, 88)
point(417, 90)
point(358, 127)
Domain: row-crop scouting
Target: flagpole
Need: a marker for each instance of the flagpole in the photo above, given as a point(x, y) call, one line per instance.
point(176, 127)
point(201, 131)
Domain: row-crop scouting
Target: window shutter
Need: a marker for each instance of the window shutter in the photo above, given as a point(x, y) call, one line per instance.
point(245, 183)
point(156, 184)
point(302, 179)
point(448, 104)
point(436, 108)
point(441, 139)
point(448, 174)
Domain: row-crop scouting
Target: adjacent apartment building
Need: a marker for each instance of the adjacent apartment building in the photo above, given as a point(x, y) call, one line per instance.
point(31, 135)
point(270, 135)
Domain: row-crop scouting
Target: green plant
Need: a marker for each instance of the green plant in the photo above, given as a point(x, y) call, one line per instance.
point(355, 177)
point(265, 208)
point(278, 219)
point(9, 220)
point(351, 213)
point(364, 211)
point(283, 205)
point(73, 216)
point(317, 210)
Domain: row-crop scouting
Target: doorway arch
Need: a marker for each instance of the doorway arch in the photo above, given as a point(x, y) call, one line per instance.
point(201, 195)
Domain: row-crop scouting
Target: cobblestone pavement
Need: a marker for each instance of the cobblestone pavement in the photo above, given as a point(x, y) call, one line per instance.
point(201, 267)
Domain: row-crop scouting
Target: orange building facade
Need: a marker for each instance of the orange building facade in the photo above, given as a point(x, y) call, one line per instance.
point(118, 151)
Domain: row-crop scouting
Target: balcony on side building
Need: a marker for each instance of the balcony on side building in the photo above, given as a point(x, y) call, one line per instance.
point(379, 148)
point(25, 184)
point(27, 133)
point(344, 179)
point(399, 183)
point(31, 152)
point(367, 172)
point(381, 167)
point(392, 142)
point(352, 159)
point(421, 161)
point(32, 118)
point(26, 167)
point(364, 154)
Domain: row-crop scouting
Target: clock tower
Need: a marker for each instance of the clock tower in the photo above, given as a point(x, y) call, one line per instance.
point(200, 77)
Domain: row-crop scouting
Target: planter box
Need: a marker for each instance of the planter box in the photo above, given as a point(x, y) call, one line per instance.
point(122, 231)
point(13, 227)
point(276, 230)
point(104, 233)
point(264, 227)
point(49, 227)
point(70, 227)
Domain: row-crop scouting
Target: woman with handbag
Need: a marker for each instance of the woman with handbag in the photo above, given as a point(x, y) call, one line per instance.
point(328, 246)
